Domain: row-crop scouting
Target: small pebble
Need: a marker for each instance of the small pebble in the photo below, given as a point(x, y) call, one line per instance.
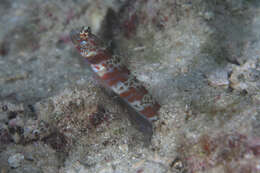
point(208, 15)
point(124, 148)
point(15, 160)
point(107, 169)
point(218, 78)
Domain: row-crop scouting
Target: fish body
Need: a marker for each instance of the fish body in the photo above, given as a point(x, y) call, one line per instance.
point(114, 74)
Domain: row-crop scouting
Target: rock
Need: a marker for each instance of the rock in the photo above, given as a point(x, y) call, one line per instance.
point(152, 167)
point(218, 77)
point(208, 15)
point(107, 169)
point(246, 77)
point(15, 160)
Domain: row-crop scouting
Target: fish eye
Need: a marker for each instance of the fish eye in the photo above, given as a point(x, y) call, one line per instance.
point(85, 30)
